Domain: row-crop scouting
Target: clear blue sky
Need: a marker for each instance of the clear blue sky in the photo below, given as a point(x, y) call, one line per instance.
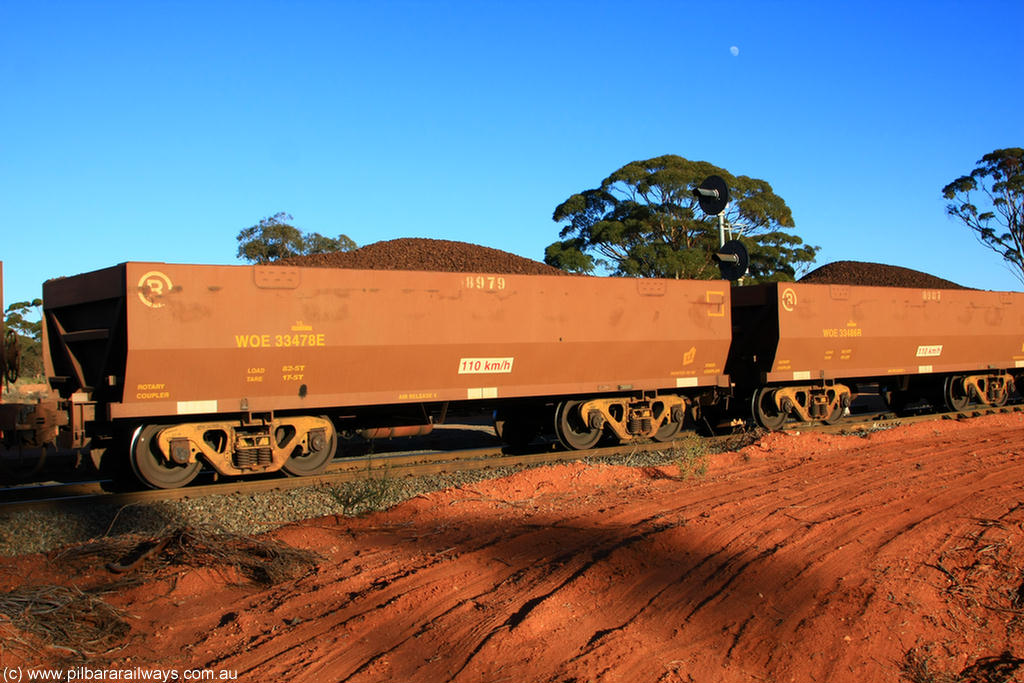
point(157, 130)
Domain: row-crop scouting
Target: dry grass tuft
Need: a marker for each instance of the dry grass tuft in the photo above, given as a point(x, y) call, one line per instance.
point(363, 496)
point(261, 561)
point(65, 617)
point(917, 667)
point(265, 562)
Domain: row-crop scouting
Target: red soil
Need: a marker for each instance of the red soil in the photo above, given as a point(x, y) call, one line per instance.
point(800, 558)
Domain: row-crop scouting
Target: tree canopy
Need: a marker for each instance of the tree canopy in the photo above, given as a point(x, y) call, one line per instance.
point(275, 238)
point(990, 201)
point(643, 221)
point(29, 334)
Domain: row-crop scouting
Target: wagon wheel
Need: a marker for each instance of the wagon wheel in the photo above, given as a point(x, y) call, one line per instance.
point(152, 468)
point(836, 415)
point(954, 393)
point(315, 461)
point(668, 431)
point(572, 428)
point(764, 410)
point(999, 399)
point(670, 428)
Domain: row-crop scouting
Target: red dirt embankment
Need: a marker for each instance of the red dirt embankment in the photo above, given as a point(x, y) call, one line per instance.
point(800, 558)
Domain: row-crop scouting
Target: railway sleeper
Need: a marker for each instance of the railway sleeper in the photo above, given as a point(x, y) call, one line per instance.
point(234, 449)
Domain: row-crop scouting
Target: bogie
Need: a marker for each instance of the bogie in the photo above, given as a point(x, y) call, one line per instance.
point(169, 456)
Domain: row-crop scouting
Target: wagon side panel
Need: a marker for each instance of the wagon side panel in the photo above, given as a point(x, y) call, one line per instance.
point(208, 339)
point(829, 331)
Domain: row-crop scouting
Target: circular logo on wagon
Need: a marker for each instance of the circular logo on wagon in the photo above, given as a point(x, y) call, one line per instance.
point(789, 298)
point(152, 286)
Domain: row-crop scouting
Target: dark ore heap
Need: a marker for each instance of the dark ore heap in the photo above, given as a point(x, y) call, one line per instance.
point(874, 275)
point(418, 253)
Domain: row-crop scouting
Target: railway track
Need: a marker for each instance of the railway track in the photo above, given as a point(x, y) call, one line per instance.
point(395, 465)
point(421, 463)
point(877, 421)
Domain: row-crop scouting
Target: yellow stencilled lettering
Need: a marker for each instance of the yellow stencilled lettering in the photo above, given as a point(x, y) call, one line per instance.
point(293, 373)
point(418, 396)
point(931, 295)
point(252, 341)
point(150, 395)
point(845, 332)
point(486, 282)
point(264, 341)
point(300, 340)
point(148, 391)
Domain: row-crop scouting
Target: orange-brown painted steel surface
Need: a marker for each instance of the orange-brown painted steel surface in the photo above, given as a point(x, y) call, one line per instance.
point(835, 331)
point(205, 339)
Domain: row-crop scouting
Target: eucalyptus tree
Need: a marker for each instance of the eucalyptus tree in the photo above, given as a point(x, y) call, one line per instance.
point(644, 221)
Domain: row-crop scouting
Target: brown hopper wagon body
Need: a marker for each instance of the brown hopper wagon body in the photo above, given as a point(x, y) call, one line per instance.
point(210, 361)
point(183, 339)
point(810, 341)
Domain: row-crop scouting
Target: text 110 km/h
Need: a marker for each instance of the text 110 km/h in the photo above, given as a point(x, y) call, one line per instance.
point(485, 366)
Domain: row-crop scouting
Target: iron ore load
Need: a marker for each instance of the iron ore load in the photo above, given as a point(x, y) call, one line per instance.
point(169, 368)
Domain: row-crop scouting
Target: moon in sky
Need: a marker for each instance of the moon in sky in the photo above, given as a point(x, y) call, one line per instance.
point(734, 50)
